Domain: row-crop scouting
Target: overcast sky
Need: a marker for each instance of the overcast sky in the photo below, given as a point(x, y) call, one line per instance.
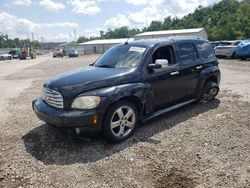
point(56, 20)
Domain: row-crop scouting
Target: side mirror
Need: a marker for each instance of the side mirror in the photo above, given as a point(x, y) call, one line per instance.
point(162, 62)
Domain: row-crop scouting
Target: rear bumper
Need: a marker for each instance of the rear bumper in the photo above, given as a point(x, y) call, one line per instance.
point(73, 55)
point(82, 119)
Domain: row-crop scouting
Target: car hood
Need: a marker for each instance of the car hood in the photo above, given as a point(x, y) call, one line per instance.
point(74, 82)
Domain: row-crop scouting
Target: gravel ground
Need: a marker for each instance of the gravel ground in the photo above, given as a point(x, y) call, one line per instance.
point(196, 146)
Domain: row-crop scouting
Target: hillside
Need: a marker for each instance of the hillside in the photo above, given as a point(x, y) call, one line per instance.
point(226, 20)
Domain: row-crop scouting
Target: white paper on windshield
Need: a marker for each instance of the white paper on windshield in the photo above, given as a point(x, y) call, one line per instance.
point(137, 49)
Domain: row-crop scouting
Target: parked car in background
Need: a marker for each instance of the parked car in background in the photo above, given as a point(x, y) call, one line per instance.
point(226, 49)
point(215, 43)
point(5, 57)
point(73, 53)
point(130, 83)
point(15, 53)
point(58, 53)
point(243, 50)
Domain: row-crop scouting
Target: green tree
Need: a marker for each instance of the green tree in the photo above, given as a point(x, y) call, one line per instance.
point(154, 26)
point(82, 39)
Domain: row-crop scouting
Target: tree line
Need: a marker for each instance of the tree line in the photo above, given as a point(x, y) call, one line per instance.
point(6, 42)
point(226, 20)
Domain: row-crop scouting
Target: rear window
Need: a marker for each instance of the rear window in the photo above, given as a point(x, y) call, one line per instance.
point(225, 43)
point(205, 50)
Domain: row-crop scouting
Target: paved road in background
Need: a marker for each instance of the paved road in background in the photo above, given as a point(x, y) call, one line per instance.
point(11, 88)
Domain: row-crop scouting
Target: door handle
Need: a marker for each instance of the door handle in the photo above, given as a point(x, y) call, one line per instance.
point(174, 73)
point(199, 67)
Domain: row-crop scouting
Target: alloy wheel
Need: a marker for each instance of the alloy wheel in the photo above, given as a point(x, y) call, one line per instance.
point(123, 121)
point(209, 95)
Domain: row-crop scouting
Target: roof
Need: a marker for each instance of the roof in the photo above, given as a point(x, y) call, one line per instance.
point(156, 41)
point(169, 32)
point(108, 41)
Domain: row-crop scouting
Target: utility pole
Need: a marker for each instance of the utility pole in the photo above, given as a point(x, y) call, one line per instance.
point(74, 34)
point(32, 36)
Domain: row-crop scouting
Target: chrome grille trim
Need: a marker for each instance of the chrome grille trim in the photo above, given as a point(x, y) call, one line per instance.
point(52, 98)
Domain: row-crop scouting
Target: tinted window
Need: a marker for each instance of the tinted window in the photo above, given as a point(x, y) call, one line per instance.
point(205, 50)
point(237, 43)
point(187, 52)
point(225, 43)
point(165, 52)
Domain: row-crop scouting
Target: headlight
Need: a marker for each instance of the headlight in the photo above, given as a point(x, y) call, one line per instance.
point(86, 102)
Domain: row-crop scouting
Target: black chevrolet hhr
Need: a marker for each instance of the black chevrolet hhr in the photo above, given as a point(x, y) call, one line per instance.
point(129, 84)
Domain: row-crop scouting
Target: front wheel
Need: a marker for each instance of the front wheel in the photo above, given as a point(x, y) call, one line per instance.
point(234, 56)
point(120, 121)
point(209, 92)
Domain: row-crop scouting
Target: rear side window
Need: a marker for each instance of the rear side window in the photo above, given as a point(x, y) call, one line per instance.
point(187, 52)
point(205, 50)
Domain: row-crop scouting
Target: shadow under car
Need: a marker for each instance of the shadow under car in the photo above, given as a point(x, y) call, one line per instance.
point(53, 146)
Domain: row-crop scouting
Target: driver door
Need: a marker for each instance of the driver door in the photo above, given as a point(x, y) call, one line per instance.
point(165, 82)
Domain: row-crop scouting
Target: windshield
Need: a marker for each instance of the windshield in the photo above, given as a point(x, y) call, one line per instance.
point(237, 43)
point(121, 56)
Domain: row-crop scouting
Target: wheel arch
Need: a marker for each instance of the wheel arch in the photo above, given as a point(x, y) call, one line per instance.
point(136, 93)
point(210, 74)
point(212, 78)
point(136, 101)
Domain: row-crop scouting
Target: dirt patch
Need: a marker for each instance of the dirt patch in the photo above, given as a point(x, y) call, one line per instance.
point(174, 178)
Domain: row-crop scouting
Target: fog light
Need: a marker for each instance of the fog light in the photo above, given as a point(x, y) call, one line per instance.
point(94, 119)
point(77, 130)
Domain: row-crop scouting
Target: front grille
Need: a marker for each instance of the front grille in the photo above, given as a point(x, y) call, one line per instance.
point(52, 98)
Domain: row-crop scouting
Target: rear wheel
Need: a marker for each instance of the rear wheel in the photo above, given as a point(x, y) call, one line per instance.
point(209, 92)
point(2, 58)
point(120, 121)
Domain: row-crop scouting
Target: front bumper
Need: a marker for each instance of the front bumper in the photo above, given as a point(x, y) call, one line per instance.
point(82, 119)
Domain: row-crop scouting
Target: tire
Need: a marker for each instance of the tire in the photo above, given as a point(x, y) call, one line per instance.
point(209, 92)
point(243, 58)
point(2, 58)
point(120, 121)
point(234, 56)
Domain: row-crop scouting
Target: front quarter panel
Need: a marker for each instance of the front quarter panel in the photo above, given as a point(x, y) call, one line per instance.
point(115, 93)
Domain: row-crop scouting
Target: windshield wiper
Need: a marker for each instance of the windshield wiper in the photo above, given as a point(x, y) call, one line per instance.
point(106, 66)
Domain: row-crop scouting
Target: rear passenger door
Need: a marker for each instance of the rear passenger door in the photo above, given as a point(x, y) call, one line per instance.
point(190, 68)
